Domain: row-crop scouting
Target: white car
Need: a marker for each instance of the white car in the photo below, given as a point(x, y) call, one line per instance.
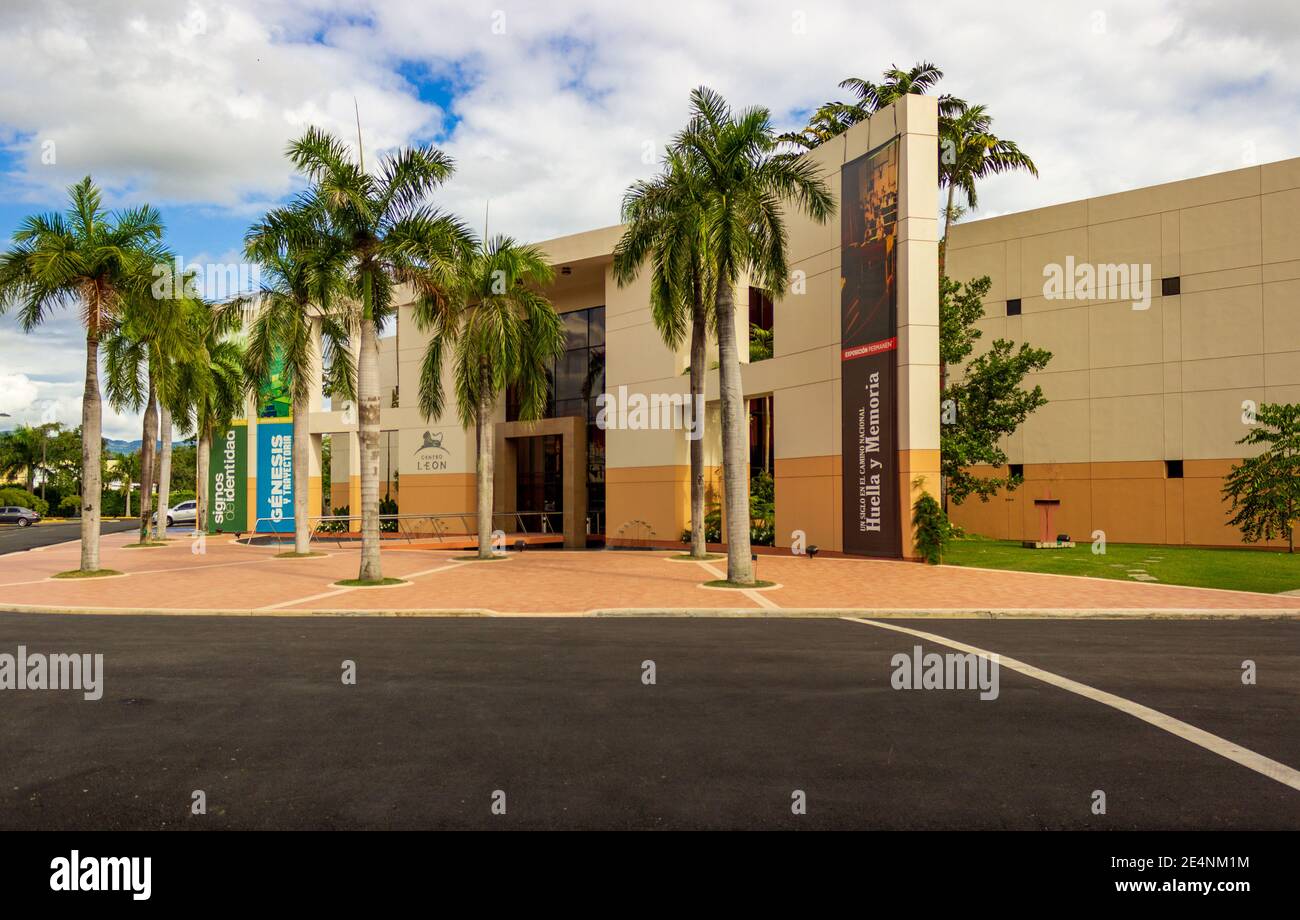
point(183, 513)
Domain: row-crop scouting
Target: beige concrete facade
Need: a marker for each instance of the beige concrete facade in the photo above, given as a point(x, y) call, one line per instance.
point(647, 492)
point(1130, 389)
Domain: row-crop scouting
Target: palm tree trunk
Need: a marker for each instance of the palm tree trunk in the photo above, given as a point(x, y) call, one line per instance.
point(699, 341)
point(735, 465)
point(91, 432)
point(202, 465)
point(148, 438)
point(301, 445)
point(128, 496)
point(368, 432)
point(484, 467)
point(164, 471)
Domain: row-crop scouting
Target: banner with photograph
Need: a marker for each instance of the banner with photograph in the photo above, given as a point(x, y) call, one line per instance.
point(868, 346)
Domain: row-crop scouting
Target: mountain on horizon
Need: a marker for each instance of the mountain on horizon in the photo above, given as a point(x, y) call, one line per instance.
point(116, 446)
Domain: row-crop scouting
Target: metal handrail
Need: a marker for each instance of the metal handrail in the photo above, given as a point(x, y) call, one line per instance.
point(440, 530)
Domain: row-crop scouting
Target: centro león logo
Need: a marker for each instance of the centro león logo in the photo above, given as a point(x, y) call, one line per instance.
point(431, 456)
point(103, 873)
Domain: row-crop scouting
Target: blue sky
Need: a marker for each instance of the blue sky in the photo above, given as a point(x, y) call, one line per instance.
point(548, 108)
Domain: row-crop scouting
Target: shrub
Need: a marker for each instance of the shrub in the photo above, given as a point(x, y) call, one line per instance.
point(182, 495)
point(388, 505)
point(70, 506)
point(762, 510)
point(335, 526)
point(932, 528)
point(13, 495)
point(762, 515)
point(712, 527)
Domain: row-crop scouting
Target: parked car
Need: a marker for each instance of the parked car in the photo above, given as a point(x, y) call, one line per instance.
point(184, 513)
point(23, 517)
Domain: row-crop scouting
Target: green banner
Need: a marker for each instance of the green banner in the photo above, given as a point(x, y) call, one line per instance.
point(228, 481)
point(273, 397)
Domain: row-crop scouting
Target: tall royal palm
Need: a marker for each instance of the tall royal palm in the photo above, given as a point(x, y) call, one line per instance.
point(834, 118)
point(503, 332)
point(92, 259)
point(144, 354)
point(302, 289)
point(745, 187)
point(393, 235)
point(665, 227)
point(917, 80)
point(974, 152)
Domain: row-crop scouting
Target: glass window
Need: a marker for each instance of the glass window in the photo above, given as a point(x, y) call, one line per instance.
point(571, 374)
point(575, 329)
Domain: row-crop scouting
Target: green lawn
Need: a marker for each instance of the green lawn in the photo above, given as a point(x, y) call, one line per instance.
point(1236, 569)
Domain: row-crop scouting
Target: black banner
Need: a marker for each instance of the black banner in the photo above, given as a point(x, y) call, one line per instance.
point(868, 342)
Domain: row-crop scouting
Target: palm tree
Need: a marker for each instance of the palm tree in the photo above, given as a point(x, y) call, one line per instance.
point(143, 358)
point(969, 150)
point(745, 187)
point(128, 470)
point(834, 118)
point(300, 287)
point(95, 260)
point(392, 236)
point(22, 453)
point(830, 119)
point(504, 333)
point(665, 226)
point(917, 80)
point(974, 152)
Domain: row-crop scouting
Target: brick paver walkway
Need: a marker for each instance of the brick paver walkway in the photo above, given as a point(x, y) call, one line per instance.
point(228, 576)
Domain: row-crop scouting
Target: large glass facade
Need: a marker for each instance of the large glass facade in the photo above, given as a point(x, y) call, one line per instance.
point(575, 378)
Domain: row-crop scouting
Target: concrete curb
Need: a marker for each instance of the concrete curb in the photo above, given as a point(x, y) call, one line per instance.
point(703, 612)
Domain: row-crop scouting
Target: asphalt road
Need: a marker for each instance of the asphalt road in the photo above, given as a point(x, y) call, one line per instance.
point(555, 714)
point(14, 539)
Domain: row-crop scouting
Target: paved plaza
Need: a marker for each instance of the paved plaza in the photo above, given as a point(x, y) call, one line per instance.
point(235, 577)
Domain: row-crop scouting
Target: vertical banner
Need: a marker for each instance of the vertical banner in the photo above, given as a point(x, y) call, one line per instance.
point(275, 477)
point(228, 480)
point(273, 397)
point(868, 342)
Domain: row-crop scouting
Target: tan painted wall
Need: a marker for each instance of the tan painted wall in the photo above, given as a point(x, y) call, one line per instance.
point(1128, 388)
point(1130, 502)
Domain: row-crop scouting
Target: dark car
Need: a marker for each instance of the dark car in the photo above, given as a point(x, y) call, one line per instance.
point(20, 516)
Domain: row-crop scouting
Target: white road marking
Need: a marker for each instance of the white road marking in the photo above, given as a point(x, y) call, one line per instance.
point(1287, 776)
point(345, 590)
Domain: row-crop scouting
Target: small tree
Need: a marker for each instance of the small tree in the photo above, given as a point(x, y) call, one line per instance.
point(987, 402)
point(933, 531)
point(1265, 489)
